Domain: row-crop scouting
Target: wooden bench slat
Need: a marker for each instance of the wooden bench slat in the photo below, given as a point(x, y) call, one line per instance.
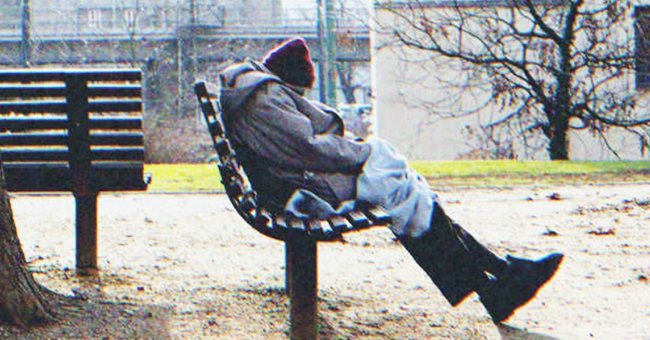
point(377, 215)
point(53, 155)
point(223, 148)
point(39, 75)
point(115, 123)
point(263, 218)
point(59, 91)
point(33, 123)
point(280, 222)
point(61, 107)
point(31, 155)
point(121, 139)
point(25, 139)
point(216, 129)
point(247, 202)
point(123, 154)
point(314, 226)
point(126, 91)
point(208, 108)
point(320, 228)
point(57, 177)
point(357, 219)
point(115, 106)
point(32, 91)
point(340, 224)
point(33, 107)
point(296, 224)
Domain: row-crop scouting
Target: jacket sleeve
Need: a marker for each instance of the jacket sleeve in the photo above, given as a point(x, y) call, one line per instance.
point(274, 128)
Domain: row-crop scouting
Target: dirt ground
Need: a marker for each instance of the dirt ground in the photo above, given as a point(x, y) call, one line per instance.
point(185, 266)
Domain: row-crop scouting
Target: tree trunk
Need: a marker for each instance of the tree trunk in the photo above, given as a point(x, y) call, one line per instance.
point(558, 148)
point(22, 300)
point(345, 79)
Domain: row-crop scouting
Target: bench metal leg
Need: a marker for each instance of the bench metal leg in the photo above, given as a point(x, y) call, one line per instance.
point(302, 260)
point(86, 229)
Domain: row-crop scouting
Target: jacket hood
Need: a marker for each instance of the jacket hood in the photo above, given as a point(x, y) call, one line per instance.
point(239, 82)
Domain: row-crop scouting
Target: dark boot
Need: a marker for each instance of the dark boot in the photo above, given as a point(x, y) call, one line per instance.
point(517, 285)
point(452, 258)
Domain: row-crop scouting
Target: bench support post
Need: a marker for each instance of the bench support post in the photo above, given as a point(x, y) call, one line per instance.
point(86, 233)
point(301, 265)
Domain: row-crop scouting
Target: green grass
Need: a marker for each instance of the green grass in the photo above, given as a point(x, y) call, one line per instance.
point(184, 178)
point(475, 174)
point(511, 173)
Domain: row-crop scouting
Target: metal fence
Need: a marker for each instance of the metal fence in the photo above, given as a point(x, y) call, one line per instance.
point(49, 21)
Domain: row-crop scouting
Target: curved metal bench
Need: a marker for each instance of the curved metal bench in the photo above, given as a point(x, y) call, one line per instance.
point(300, 236)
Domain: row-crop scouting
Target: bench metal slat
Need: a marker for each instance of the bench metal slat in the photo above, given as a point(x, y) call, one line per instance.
point(33, 107)
point(115, 106)
point(33, 139)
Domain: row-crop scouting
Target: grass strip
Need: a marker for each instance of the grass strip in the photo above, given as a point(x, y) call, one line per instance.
point(442, 174)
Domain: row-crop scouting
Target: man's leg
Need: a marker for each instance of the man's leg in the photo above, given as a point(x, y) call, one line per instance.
point(460, 265)
point(452, 258)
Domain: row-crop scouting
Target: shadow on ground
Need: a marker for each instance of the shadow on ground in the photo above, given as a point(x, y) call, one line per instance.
point(514, 333)
point(91, 317)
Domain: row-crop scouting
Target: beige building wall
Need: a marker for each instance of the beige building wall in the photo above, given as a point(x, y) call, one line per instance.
point(399, 87)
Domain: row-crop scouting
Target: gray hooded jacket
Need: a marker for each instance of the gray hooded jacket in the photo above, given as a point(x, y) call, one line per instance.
point(286, 142)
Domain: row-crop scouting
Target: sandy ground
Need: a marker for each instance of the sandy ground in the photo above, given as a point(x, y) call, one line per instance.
point(185, 266)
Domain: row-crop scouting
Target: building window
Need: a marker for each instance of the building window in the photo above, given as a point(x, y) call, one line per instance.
point(642, 46)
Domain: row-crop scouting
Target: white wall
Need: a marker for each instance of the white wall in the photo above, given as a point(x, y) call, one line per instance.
point(400, 86)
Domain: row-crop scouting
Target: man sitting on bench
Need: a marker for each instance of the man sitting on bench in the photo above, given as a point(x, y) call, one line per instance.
point(298, 158)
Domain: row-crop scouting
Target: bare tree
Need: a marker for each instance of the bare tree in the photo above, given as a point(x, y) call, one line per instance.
point(22, 301)
point(547, 66)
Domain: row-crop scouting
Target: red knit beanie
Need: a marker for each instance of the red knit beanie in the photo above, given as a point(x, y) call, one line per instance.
point(291, 62)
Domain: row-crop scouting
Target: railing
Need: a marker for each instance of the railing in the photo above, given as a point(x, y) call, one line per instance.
point(164, 19)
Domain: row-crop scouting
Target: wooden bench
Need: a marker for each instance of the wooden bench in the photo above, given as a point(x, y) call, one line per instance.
point(300, 236)
point(77, 130)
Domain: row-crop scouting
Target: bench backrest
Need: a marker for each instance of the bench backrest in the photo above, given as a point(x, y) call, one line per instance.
point(243, 197)
point(72, 130)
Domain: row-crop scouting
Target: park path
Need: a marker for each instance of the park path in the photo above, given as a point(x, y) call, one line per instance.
point(189, 258)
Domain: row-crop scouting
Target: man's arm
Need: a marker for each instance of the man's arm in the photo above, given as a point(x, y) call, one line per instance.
point(275, 129)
